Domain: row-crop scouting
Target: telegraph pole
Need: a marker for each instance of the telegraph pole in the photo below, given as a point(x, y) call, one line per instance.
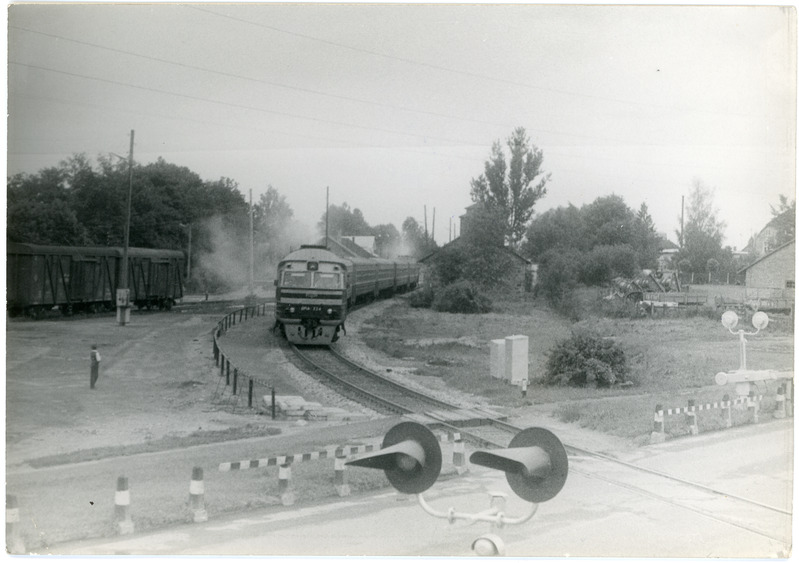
point(252, 250)
point(123, 291)
point(327, 213)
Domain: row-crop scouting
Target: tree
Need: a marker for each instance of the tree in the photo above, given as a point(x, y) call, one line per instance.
point(342, 220)
point(513, 189)
point(704, 232)
point(784, 221)
point(562, 227)
point(272, 220)
point(387, 240)
point(414, 240)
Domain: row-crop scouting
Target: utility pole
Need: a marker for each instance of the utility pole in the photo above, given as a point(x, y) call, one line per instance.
point(434, 225)
point(188, 260)
point(327, 214)
point(682, 223)
point(425, 223)
point(252, 251)
point(123, 291)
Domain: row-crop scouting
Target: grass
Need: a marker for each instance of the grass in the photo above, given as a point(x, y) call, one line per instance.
point(671, 359)
point(167, 443)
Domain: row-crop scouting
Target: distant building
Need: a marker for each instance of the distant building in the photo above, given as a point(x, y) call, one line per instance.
point(775, 270)
point(365, 242)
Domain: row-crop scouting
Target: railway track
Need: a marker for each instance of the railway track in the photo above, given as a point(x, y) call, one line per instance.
point(370, 388)
point(771, 522)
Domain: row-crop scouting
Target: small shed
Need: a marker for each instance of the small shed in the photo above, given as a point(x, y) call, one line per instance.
point(776, 270)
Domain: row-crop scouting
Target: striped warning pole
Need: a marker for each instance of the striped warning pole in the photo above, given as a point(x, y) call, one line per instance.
point(752, 406)
point(122, 507)
point(659, 430)
point(726, 410)
point(458, 456)
point(284, 485)
point(197, 495)
point(693, 427)
point(779, 411)
point(340, 478)
point(14, 543)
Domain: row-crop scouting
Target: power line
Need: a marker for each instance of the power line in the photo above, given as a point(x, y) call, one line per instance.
point(455, 71)
point(237, 106)
point(308, 90)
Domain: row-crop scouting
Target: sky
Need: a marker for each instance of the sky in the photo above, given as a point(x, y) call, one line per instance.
point(395, 108)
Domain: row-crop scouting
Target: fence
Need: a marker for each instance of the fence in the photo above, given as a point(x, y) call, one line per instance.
point(238, 383)
point(752, 405)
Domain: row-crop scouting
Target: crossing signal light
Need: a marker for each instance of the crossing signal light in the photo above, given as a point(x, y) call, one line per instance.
point(410, 457)
point(535, 464)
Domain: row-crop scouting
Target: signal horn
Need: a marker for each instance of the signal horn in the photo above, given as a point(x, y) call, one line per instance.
point(410, 456)
point(535, 464)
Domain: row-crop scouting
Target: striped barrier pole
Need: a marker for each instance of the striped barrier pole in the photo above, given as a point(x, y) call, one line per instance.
point(659, 428)
point(752, 406)
point(727, 411)
point(287, 496)
point(459, 457)
point(340, 478)
point(197, 495)
point(693, 427)
point(14, 543)
point(779, 411)
point(122, 507)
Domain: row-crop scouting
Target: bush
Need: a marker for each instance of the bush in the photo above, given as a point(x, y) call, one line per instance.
point(461, 297)
point(422, 298)
point(586, 358)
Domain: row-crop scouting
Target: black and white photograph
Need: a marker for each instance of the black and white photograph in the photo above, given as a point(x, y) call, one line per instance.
point(427, 280)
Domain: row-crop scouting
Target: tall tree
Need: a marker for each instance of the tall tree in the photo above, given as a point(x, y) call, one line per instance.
point(272, 221)
point(704, 232)
point(387, 240)
point(784, 221)
point(514, 188)
point(343, 220)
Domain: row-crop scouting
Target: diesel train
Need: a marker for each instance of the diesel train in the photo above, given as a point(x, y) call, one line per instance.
point(315, 289)
point(84, 279)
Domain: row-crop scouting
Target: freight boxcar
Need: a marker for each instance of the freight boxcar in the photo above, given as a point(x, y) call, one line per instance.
point(72, 279)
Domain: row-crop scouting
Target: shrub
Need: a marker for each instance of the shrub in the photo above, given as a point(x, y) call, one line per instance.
point(461, 297)
point(586, 358)
point(422, 297)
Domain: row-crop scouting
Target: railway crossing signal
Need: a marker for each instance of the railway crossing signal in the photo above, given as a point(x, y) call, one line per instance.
point(535, 464)
point(410, 456)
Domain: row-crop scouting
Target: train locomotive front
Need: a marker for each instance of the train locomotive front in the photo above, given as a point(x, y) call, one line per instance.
point(311, 295)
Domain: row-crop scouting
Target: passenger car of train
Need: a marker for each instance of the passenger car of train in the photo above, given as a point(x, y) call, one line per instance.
point(316, 288)
point(40, 278)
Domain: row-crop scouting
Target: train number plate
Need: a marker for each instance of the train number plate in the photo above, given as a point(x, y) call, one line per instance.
point(310, 308)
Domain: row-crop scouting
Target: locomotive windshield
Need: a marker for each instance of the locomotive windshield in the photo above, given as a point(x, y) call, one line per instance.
point(316, 280)
point(326, 280)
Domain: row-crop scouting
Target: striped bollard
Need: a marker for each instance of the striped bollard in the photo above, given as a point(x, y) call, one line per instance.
point(122, 507)
point(659, 430)
point(340, 478)
point(197, 495)
point(726, 411)
point(14, 543)
point(779, 410)
point(752, 406)
point(693, 427)
point(458, 456)
point(287, 497)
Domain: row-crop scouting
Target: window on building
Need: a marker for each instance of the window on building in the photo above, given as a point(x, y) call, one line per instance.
point(789, 284)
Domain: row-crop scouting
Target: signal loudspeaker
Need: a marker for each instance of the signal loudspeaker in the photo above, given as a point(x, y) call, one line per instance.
point(410, 456)
point(535, 464)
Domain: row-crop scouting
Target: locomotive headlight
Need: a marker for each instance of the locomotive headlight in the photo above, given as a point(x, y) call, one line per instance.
point(291, 309)
point(330, 311)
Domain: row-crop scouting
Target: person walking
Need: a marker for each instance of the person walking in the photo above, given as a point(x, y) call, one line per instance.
point(95, 366)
